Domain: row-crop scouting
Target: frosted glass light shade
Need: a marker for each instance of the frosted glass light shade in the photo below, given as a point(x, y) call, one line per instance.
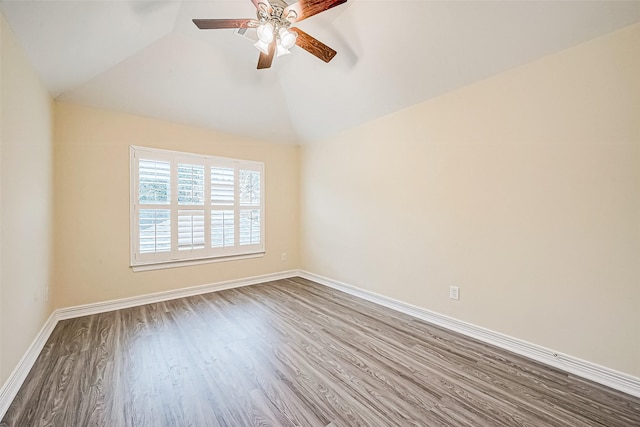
point(262, 47)
point(265, 33)
point(280, 50)
point(287, 38)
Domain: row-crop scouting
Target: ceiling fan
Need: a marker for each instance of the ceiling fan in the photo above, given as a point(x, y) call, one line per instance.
point(274, 31)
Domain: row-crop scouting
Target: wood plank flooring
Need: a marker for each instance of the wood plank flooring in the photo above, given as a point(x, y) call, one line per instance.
point(293, 353)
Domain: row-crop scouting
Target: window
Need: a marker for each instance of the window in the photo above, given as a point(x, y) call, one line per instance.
point(193, 208)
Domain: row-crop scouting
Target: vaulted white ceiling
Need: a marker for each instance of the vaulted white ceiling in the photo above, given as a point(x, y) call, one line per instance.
point(146, 57)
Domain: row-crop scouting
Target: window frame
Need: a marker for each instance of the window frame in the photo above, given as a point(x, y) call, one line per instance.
point(177, 257)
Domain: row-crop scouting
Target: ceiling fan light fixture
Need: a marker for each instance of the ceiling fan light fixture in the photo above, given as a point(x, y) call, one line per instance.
point(272, 23)
point(287, 38)
point(265, 32)
point(262, 47)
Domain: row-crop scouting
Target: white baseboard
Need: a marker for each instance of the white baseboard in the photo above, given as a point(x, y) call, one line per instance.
point(102, 307)
point(570, 364)
point(11, 387)
point(16, 378)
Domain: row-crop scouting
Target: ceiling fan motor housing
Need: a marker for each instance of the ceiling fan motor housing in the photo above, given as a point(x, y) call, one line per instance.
point(276, 17)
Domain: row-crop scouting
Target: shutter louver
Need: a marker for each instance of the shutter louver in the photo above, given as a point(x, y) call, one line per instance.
point(222, 202)
point(222, 229)
point(154, 188)
point(249, 188)
point(154, 230)
point(190, 229)
point(190, 185)
point(222, 186)
point(154, 182)
point(249, 226)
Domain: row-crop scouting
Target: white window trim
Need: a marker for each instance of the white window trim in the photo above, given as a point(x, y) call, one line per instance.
point(175, 258)
point(187, 263)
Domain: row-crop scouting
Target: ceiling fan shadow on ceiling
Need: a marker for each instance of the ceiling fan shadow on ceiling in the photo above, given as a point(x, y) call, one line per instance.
point(273, 28)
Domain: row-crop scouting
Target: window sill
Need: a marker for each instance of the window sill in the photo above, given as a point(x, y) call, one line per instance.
point(190, 262)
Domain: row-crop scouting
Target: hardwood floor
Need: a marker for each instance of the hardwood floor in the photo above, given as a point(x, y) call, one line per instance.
point(293, 353)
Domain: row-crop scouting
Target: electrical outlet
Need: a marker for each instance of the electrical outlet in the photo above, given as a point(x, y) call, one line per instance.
point(454, 292)
point(283, 257)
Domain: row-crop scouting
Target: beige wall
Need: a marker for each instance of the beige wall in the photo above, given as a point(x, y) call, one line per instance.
point(92, 204)
point(26, 141)
point(523, 189)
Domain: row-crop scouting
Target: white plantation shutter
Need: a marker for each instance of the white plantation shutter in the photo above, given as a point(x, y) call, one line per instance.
point(250, 218)
point(222, 186)
point(223, 197)
point(154, 194)
point(155, 230)
point(190, 229)
point(154, 178)
point(222, 228)
point(190, 184)
point(249, 226)
point(187, 207)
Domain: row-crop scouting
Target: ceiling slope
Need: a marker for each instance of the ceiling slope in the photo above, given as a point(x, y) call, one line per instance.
point(146, 57)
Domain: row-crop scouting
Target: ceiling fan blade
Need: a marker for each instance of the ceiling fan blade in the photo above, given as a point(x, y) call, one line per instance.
point(214, 24)
point(307, 8)
point(313, 45)
point(265, 60)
